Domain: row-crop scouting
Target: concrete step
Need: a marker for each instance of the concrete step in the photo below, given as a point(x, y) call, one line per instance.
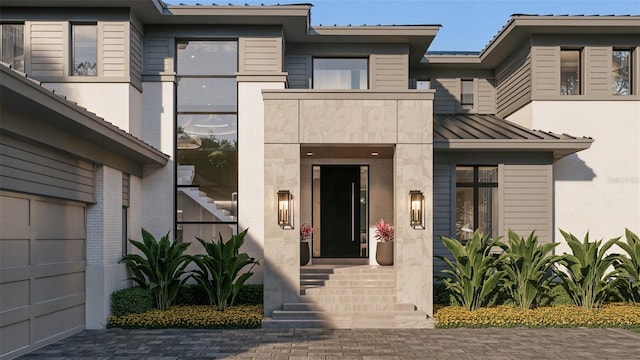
point(359, 283)
point(306, 282)
point(375, 291)
point(343, 307)
point(368, 321)
point(348, 299)
point(314, 276)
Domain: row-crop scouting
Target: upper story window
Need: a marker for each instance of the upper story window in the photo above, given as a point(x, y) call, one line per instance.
point(423, 84)
point(621, 72)
point(476, 201)
point(466, 91)
point(12, 51)
point(85, 46)
point(570, 72)
point(340, 73)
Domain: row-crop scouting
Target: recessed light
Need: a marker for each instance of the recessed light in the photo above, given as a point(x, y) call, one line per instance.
point(375, 153)
point(309, 153)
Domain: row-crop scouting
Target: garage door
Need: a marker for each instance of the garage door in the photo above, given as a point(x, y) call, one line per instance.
point(42, 271)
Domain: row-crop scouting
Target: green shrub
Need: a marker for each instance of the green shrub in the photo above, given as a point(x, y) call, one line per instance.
point(586, 275)
point(161, 269)
point(527, 264)
point(134, 300)
point(250, 294)
point(191, 294)
point(219, 269)
point(474, 278)
point(192, 317)
point(629, 267)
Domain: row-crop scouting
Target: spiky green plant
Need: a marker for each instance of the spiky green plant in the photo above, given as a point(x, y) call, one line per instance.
point(161, 269)
point(586, 274)
point(630, 267)
point(474, 277)
point(527, 264)
point(218, 271)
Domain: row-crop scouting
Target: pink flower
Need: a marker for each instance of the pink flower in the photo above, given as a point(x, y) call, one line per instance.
point(384, 231)
point(305, 232)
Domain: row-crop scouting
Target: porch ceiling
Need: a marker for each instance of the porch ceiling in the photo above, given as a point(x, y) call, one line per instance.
point(346, 151)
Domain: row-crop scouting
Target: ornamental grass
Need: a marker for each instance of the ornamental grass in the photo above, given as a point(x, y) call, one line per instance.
point(192, 317)
point(613, 315)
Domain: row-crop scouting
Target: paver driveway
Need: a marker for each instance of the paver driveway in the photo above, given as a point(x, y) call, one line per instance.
point(325, 344)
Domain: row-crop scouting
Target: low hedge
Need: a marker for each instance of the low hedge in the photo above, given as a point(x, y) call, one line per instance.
point(133, 300)
point(618, 315)
point(192, 317)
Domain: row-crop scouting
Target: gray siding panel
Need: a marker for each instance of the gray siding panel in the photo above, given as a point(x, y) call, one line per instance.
point(299, 69)
point(447, 95)
point(112, 50)
point(30, 168)
point(125, 189)
point(47, 52)
point(135, 53)
point(546, 72)
point(527, 197)
point(260, 55)
point(389, 72)
point(486, 97)
point(598, 70)
point(513, 81)
point(157, 56)
point(442, 222)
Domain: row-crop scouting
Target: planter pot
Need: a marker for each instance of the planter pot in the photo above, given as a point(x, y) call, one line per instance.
point(304, 253)
point(384, 253)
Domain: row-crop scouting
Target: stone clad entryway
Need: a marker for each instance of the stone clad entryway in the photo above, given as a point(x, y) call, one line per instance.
point(348, 297)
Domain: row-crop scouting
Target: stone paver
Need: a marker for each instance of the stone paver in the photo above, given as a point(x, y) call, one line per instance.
point(323, 344)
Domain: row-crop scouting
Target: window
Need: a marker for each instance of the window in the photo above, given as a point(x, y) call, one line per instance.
point(340, 74)
point(570, 72)
point(476, 201)
point(423, 84)
point(466, 91)
point(12, 51)
point(84, 55)
point(621, 72)
point(206, 139)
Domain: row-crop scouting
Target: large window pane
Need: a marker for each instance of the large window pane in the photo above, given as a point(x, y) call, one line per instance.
point(464, 213)
point(570, 72)
point(207, 95)
point(621, 72)
point(223, 128)
point(84, 50)
point(13, 45)
point(488, 210)
point(188, 232)
point(340, 74)
point(464, 174)
point(207, 57)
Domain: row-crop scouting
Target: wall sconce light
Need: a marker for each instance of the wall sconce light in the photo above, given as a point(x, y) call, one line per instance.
point(416, 200)
point(285, 209)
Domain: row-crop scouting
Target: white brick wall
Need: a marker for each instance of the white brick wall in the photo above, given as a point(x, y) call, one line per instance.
point(104, 219)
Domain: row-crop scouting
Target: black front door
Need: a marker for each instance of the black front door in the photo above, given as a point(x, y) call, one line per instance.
point(340, 211)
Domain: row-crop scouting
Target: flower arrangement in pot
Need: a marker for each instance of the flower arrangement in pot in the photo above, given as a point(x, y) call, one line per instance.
point(384, 248)
point(306, 231)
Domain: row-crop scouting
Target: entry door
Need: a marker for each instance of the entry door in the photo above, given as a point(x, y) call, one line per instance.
point(340, 211)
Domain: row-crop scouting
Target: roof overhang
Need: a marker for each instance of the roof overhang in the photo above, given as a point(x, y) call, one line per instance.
point(31, 111)
point(559, 148)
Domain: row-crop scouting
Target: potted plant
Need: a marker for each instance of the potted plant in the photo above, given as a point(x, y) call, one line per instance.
point(306, 231)
point(384, 247)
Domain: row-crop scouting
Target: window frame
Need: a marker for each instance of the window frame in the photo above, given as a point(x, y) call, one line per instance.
point(471, 104)
point(580, 77)
point(475, 185)
point(366, 58)
point(24, 43)
point(72, 49)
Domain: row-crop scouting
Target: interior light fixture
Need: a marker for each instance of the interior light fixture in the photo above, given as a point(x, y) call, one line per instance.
point(416, 204)
point(285, 209)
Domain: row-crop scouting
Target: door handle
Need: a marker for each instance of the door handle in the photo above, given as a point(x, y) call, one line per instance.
point(353, 211)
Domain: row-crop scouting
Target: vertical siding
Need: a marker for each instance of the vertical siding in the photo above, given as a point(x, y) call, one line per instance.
point(389, 72)
point(299, 69)
point(546, 71)
point(598, 70)
point(135, 53)
point(260, 55)
point(442, 222)
point(486, 97)
point(30, 168)
point(526, 194)
point(111, 48)
point(447, 95)
point(157, 56)
point(513, 81)
point(47, 53)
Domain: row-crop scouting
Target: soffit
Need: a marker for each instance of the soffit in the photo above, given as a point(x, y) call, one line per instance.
point(321, 151)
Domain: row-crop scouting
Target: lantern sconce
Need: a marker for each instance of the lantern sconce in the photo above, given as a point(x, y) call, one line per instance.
point(285, 209)
point(416, 200)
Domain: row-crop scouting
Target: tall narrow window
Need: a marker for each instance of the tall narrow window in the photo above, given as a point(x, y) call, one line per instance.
point(621, 72)
point(476, 201)
point(206, 139)
point(570, 72)
point(13, 45)
point(466, 98)
point(340, 74)
point(84, 50)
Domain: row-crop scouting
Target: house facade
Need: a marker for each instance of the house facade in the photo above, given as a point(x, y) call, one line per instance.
point(204, 120)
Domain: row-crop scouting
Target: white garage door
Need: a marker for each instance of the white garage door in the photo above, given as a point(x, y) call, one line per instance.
point(42, 271)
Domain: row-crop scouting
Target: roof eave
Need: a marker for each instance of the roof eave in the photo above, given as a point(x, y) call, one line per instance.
point(560, 148)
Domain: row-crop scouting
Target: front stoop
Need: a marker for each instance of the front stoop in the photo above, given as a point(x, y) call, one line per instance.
point(347, 297)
